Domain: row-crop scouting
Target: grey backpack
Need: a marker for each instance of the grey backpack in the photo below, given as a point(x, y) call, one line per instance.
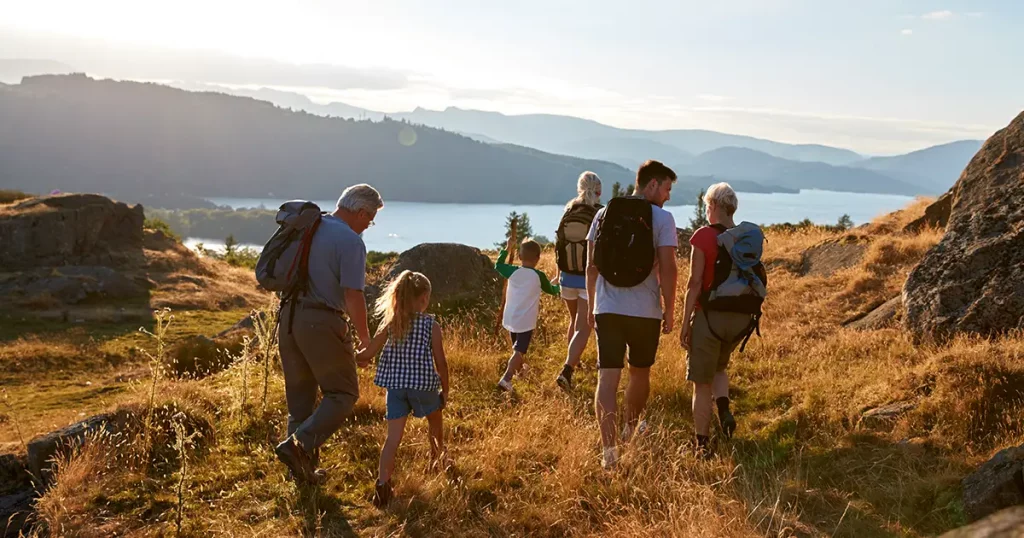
point(283, 264)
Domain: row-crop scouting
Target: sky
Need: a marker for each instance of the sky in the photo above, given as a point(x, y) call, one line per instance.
point(876, 76)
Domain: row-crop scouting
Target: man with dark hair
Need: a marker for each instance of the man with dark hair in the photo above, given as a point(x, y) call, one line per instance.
point(633, 286)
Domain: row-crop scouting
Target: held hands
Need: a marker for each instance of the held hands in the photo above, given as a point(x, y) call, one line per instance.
point(363, 358)
point(591, 319)
point(444, 399)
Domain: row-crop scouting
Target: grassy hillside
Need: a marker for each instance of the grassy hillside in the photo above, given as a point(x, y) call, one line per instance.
point(803, 463)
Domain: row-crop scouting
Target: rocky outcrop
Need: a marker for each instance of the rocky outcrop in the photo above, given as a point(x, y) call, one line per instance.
point(42, 449)
point(73, 229)
point(997, 484)
point(885, 414)
point(70, 285)
point(880, 317)
point(935, 215)
point(833, 255)
point(1007, 523)
point(972, 281)
point(459, 274)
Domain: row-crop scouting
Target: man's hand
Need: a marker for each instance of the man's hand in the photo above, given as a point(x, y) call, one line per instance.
point(363, 358)
point(444, 399)
point(684, 337)
point(591, 319)
point(668, 321)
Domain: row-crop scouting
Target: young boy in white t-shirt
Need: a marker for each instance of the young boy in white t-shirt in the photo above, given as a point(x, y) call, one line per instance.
point(522, 301)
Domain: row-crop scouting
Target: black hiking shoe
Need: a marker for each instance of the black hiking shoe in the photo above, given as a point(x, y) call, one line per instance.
point(382, 494)
point(728, 423)
point(564, 382)
point(297, 460)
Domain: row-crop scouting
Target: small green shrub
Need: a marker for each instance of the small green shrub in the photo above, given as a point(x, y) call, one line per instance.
point(8, 196)
point(154, 223)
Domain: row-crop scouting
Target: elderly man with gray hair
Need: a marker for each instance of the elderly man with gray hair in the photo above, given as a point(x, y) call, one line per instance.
point(317, 343)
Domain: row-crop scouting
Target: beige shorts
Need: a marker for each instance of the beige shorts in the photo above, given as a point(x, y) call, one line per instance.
point(571, 294)
point(709, 355)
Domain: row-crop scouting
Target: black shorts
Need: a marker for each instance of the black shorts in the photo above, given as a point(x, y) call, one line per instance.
point(616, 332)
point(521, 341)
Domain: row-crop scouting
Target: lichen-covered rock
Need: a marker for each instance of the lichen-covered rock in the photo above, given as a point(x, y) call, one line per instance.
point(972, 281)
point(997, 484)
point(459, 274)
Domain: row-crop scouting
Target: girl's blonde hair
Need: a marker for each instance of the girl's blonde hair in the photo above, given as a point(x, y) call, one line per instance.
point(396, 306)
point(587, 187)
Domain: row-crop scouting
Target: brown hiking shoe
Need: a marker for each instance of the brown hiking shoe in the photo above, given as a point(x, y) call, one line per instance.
point(382, 494)
point(296, 459)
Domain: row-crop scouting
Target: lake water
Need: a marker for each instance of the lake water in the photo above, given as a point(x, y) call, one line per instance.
point(403, 225)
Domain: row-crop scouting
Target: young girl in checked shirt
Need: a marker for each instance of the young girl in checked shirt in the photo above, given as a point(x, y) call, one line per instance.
point(412, 367)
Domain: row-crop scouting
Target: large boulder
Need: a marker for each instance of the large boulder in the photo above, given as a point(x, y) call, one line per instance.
point(973, 280)
point(1008, 523)
point(459, 274)
point(72, 229)
point(997, 484)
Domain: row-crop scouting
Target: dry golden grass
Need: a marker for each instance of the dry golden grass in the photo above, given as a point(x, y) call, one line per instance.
point(804, 461)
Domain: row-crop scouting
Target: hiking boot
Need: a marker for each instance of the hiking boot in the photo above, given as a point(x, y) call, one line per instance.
point(610, 458)
point(382, 494)
point(564, 382)
point(296, 459)
point(505, 386)
point(728, 423)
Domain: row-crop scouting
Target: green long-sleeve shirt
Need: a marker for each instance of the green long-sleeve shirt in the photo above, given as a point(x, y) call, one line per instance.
point(506, 270)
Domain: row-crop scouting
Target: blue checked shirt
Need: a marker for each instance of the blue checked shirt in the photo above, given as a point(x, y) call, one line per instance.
point(409, 363)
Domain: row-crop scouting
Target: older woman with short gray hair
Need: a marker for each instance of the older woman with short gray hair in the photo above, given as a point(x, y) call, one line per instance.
point(709, 350)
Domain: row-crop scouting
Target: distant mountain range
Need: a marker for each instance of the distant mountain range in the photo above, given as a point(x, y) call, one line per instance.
point(541, 154)
point(935, 168)
point(133, 140)
point(929, 171)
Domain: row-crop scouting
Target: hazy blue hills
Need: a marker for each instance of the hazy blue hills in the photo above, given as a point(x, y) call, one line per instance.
point(133, 139)
point(732, 163)
point(935, 169)
point(75, 133)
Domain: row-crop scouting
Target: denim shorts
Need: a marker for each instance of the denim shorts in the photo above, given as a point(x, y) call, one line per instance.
point(401, 402)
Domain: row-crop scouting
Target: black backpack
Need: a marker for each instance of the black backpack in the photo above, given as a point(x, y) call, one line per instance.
point(283, 265)
point(744, 299)
point(624, 250)
point(571, 238)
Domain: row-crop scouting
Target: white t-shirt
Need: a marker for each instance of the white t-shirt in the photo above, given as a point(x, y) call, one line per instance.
point(644, 299)
point(522, 301)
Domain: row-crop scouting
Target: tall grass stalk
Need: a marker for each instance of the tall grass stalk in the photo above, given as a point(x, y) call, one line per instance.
point(264, 322)
point(162, 321)
point(14, 419)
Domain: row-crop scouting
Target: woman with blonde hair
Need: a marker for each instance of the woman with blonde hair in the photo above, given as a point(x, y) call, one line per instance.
point(571, 255)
